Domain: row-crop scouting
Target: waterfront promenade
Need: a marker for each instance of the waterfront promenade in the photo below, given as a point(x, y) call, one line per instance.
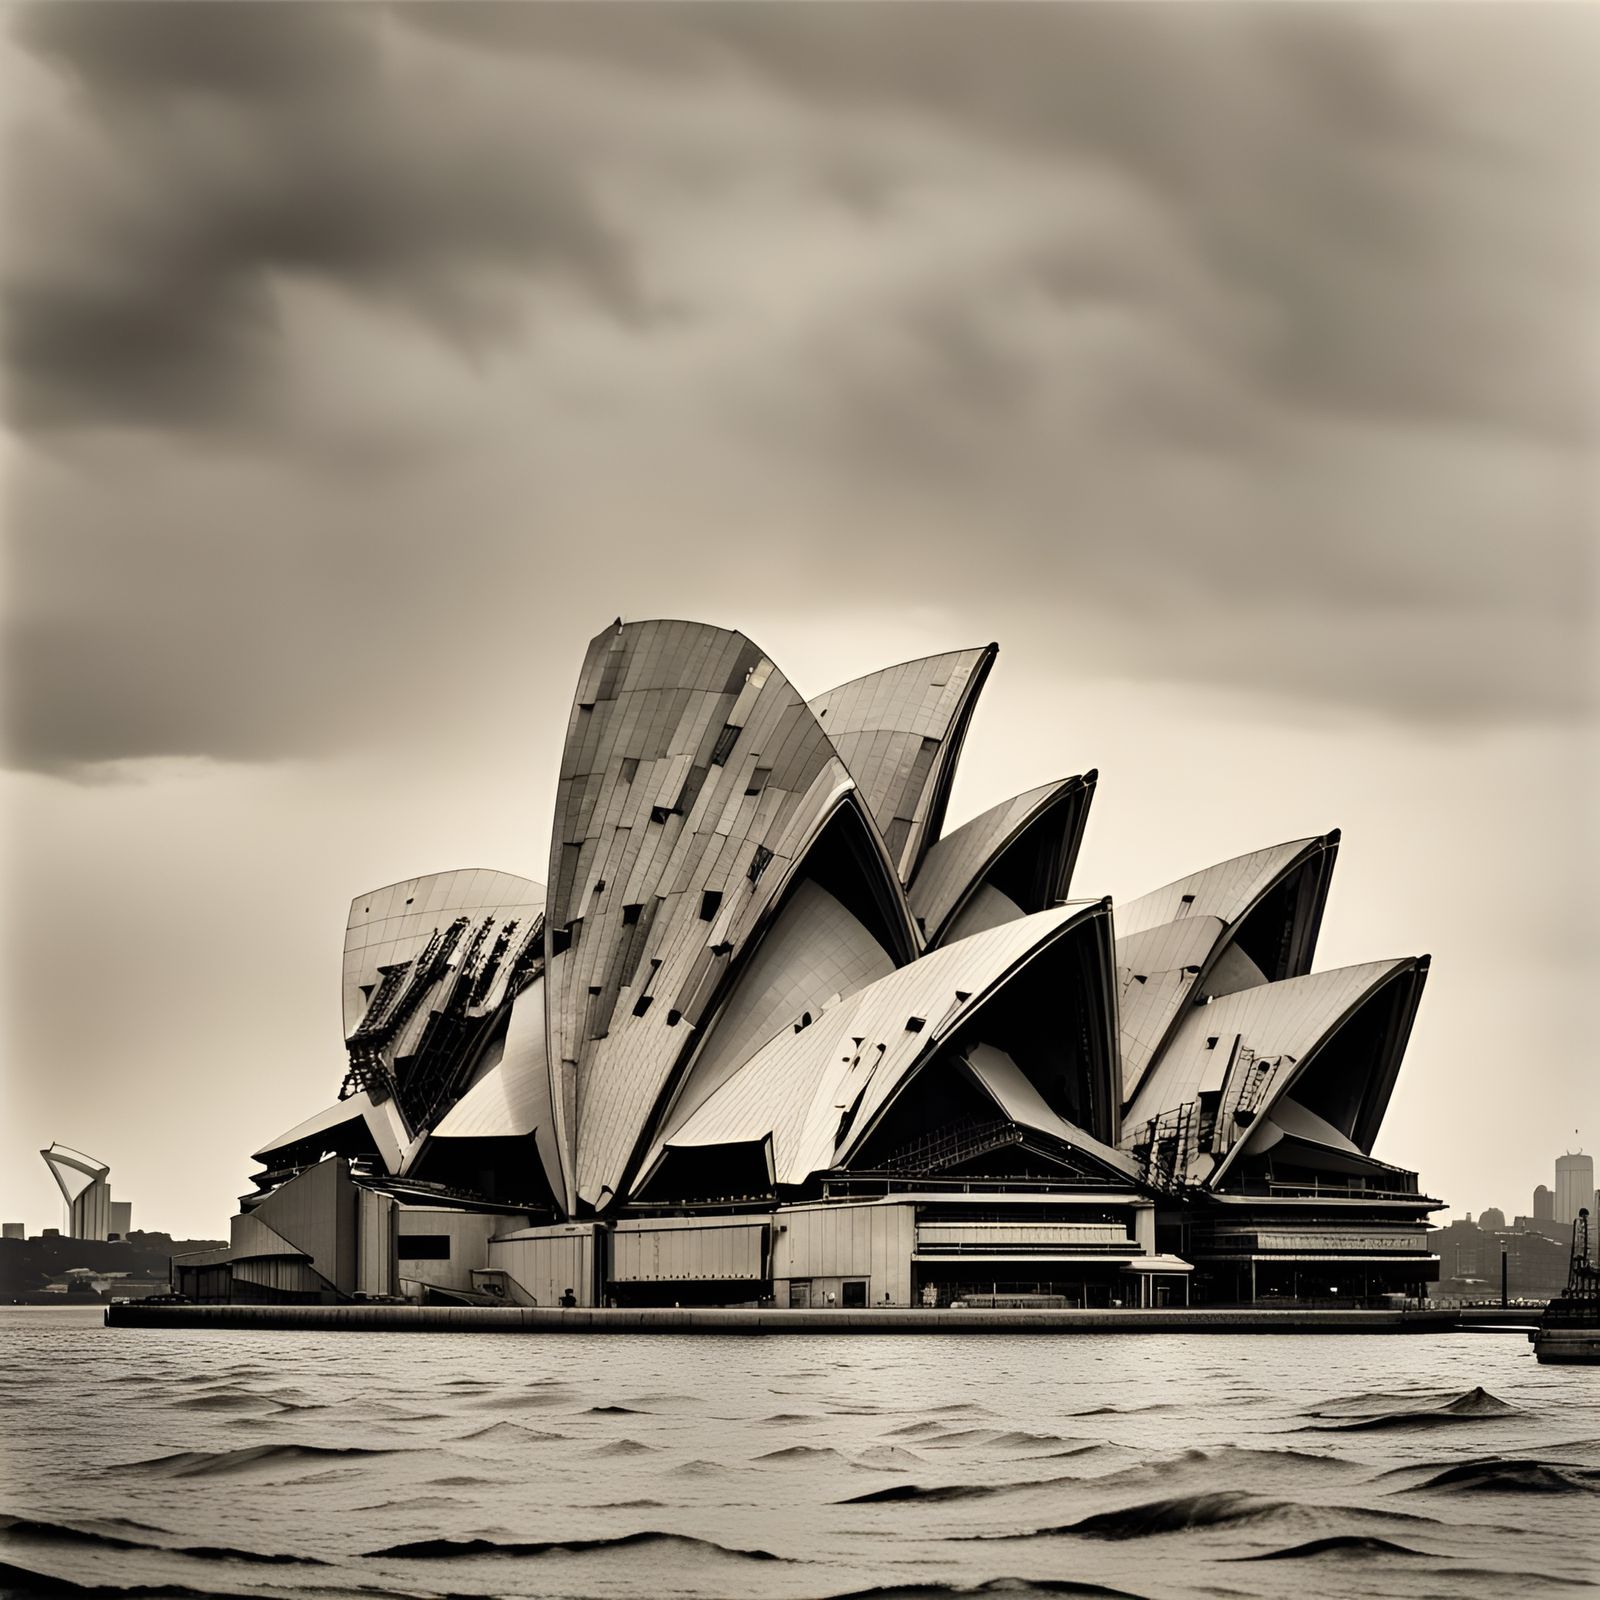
point(731, 1320)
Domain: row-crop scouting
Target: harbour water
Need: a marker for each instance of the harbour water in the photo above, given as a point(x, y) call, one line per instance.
point(325, 1465)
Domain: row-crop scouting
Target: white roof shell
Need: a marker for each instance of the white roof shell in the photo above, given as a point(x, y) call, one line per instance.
point(391, 925)
point(899, 731)
point(693, 780)
point(954, 865)
point(798, 1087)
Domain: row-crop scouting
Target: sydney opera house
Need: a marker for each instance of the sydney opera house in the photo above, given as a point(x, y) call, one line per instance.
point(771, 1033)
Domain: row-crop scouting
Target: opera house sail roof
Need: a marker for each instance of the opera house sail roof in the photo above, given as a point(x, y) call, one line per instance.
point(760, 963)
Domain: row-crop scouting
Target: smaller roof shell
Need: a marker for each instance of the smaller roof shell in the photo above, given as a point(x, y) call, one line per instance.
point(857, 1054)
point(955, 865)
point(392, 925)
point(900, 731)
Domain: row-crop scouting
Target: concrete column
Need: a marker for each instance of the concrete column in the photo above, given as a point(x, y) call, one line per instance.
point(1144, 1227)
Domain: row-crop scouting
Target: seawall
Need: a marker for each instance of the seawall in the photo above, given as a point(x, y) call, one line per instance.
point(724, 1320)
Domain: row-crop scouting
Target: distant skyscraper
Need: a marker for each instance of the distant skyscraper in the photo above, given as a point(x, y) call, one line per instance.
point(13, 1230)
point(1574, 1185)
point(121, 1218)
point(1544, 1205)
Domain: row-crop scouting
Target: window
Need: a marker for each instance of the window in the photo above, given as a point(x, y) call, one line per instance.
point(725, 743)
point(710, 904)
point(853, 1292)
point(758, 780)
point(630, 768)
point(630, 915)
point(424, 1247)
point(758, 863)
point(915, 1024)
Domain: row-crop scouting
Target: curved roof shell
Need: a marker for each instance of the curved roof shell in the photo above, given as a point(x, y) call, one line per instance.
point(73, 1170)
point(392, 925)
point(1234, 1059)
point(1050, 817)
point(1247, 921)
point(816, 1089)
point(899, 731)
point(693, 781)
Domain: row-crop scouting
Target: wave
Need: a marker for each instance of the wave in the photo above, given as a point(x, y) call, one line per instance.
point(803, 1452)
point(1475, 1405)
point(624, 1447)
point(511, 1430)
point(25, 1528)
point(1217, 1508)
point(22, 1583)
point(206, 1463)
point(614, 1411)
point(1340, 1544)
point(1120, 1411)
point(437, 1548)
point(930, 1494)
point(1497, 1475)
point(1020, 1588)
point(225, 1400)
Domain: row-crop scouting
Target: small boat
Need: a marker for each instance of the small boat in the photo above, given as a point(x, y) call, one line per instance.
point(1569, 1330)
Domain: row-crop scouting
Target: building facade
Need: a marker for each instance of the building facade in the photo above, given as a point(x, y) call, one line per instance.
point(771, 1034)
point(1574, 1186)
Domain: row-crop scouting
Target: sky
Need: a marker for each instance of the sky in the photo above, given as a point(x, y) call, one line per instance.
point(1232, 366)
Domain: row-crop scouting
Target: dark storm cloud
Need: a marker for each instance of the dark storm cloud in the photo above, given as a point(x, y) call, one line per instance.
point(1245, 345)
point(239, 146)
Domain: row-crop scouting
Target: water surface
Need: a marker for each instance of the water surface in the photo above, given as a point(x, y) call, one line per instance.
point(323, 1465)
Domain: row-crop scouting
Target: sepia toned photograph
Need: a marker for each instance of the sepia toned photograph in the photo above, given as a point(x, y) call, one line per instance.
point(799, 799)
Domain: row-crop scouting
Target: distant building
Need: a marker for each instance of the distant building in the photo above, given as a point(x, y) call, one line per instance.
point(121, 1218)
point(1492, 1220)
point(85, 1185)
point(14, 1230)
point(1469, 1261)
point(1544, 1204)
point(1574, 1185)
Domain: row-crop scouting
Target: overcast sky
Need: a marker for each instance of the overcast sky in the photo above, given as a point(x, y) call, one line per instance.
point(1233, 367)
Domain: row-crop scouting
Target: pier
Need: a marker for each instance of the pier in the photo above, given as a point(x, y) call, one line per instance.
point(744, 1320)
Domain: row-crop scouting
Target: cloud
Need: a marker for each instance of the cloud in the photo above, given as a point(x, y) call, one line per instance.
point(364, 361)
point(212, 154)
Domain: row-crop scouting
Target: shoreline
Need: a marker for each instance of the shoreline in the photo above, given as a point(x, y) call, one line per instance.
point(736, 1320)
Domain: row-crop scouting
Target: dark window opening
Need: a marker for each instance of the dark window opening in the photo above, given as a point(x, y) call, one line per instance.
point(674, 1018)
point(725, 743)
point(915, 1024)
point(722, 949)
point(630, 768)
point(758, 780)
point(1211, 1043)
point(630, 915)
point(424, 1247)
point(853, 1292)
point(561, 939)
point(660, 813)
point(1140, 977)
point(1188, 899)
point(710, 904)
point(642, 1004)
point(758, 863)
